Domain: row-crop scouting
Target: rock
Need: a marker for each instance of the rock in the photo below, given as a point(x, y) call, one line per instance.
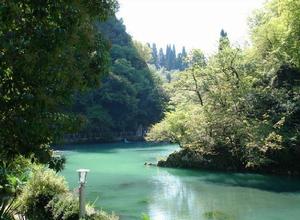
point(218, 161)
point(191, 158)
point(149, 164)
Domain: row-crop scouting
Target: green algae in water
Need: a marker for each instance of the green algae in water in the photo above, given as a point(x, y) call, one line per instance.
point(217, 215)
point(144, 201)
point(145, 217)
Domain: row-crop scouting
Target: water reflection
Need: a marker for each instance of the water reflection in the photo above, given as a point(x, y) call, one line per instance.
point(173, 199)
point(258, 181)
point(193, 197)
point(123, 184)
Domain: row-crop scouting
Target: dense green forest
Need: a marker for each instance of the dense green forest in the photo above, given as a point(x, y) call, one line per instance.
point(239, 109)
point(49, 50)
point(130, 97)
point(45, 59)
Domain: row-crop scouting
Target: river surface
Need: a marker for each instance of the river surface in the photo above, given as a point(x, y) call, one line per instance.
point(119, 182)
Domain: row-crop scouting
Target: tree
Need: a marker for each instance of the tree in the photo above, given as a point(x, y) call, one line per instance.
point(174, 57)
point(224, 40)
point(275, 29)
point(239, 109)
point(191, 82)
point(154, 56)
point(168, 57)
point(223, 34)
point(182, 63)
point(144, 51)
point(49, 50)
point(208, 108)
point(130, 96)
point(171, 60)
point(161, 58)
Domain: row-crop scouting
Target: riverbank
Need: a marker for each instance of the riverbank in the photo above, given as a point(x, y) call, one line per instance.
point(95, 138)
point(119, 182)
point(195, 159)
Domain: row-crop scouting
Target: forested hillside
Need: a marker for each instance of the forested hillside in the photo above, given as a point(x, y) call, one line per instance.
point(239, 109)
point(130, 96)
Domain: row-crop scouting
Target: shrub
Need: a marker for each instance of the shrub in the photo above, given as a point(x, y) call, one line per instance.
point(64, 207)
point(92, 214)
point(13, 176)
point(46, 197)
point(41, 188)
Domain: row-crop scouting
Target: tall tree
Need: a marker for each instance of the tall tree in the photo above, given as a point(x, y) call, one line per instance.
point(49, 49)
point(223, 40)
point(174, 56)
point(161, 58)
point(168, 57)
point(183, 61)
point(154, 56)
point(170, 60)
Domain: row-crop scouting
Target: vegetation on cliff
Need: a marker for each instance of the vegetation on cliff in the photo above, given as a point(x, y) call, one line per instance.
point(239, 108)
point(130, 97)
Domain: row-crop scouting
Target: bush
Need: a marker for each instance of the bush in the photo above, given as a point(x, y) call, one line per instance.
point(64, 207)
point(46, 197)
point(41, 188)
point(92, 214)
point(13, 176)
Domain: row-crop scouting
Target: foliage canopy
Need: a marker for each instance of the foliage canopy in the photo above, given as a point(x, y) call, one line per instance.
point(48, 50)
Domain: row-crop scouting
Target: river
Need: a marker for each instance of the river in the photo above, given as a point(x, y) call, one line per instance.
point(119, 182)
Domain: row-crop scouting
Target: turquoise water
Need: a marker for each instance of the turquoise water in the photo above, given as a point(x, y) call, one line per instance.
point(120, 182)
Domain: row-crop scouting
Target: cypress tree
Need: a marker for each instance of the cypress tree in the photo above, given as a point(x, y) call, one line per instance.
point(161, 58)
point(173, 58)
point(154, 55)
point(168, 57)
point(223, 33)
point(224, 40)
point(183, 58)
point(179, 62)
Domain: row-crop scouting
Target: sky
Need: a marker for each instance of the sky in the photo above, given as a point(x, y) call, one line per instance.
point(190, 23)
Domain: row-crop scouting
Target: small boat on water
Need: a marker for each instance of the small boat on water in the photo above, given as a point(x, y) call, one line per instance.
point(126, 141)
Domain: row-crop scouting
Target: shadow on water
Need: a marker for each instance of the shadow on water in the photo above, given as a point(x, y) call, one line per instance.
point(111, 147)
point(278, 184)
